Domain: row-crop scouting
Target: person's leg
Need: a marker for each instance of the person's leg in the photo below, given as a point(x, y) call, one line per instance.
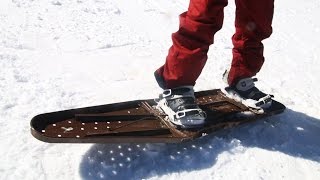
point(253, 24)
point(188, 54)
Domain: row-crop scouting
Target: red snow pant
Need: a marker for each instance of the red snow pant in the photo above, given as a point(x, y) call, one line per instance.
point(188, 54)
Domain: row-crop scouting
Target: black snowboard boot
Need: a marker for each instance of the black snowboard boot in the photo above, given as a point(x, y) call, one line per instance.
point(180, 106)
point(246, 92)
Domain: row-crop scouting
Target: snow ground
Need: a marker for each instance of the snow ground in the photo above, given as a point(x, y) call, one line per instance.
point(61, 54)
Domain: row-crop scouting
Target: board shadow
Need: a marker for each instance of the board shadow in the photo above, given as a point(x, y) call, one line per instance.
point(293, 133)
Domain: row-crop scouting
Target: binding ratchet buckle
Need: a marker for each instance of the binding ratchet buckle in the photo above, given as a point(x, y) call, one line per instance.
point(264, 100)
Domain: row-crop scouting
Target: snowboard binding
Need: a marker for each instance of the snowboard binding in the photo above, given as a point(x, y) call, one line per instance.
point(247, 93)
point(181, 108)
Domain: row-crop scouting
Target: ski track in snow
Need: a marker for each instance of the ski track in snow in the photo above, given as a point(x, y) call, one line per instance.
point(62, 54)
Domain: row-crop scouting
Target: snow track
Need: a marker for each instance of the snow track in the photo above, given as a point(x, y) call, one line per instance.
point(61, 54)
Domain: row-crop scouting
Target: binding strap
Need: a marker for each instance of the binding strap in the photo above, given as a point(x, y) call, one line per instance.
point(264, 100)
point(189, 112)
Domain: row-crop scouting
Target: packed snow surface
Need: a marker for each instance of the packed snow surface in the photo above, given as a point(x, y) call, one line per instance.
point(62, 54)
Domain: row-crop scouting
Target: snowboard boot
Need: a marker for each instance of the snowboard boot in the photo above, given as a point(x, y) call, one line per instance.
point(180, 106)
point(245, 92)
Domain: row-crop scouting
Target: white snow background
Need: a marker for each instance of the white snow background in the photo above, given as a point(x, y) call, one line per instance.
point(62, 54)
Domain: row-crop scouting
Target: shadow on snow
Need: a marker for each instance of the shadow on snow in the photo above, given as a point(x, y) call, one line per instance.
point(292, 133)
